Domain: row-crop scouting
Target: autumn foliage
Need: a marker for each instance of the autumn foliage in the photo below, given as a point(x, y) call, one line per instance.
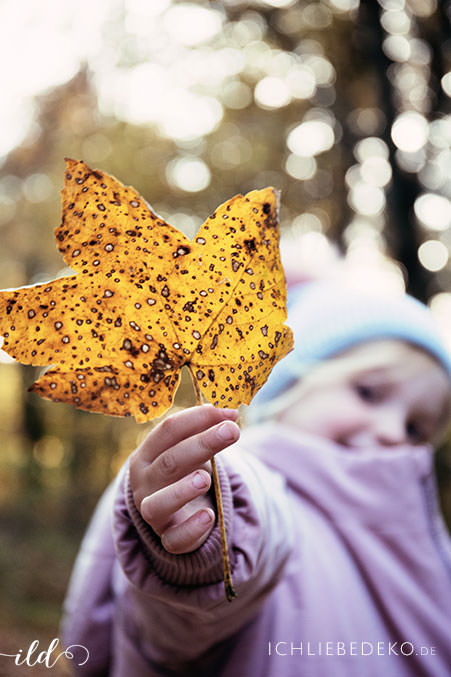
point(145, 301)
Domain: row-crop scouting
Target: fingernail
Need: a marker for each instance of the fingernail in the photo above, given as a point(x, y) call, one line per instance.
point(233, 413)
point(199, 481)
point(204, 517)
point(226, 432)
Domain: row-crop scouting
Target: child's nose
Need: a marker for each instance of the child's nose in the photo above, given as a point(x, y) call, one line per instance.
point(391, 429)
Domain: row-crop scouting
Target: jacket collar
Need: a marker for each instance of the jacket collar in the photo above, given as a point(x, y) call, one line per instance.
point(369, 485)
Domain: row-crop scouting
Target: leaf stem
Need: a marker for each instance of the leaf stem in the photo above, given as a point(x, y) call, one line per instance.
point(228, 583)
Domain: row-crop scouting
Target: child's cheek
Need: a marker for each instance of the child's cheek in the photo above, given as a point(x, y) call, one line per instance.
point(347, 418)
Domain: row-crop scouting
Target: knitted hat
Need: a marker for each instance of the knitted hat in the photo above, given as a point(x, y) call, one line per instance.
point(328, 318)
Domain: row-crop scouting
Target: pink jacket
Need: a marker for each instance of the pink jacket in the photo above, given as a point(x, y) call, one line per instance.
point(340, 559)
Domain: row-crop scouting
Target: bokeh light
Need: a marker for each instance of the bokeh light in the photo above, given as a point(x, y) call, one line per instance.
point(410, 131)
point(433, 211)
point(345, 5)
point(395, 21)
point(311, 138)
point(272, 92)
point(189, 174)
point(376, 171)
point(190, 24)
point(236, 95)
point(366, 199)
point(37, 187)
point(397, 48)
point(433, 255)
point(301, 168)
point(370, 147)
point(49, 452)
point(301, 81)
point(446, 83)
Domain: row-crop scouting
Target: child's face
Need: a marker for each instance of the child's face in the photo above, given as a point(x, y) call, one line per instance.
point(378, 394)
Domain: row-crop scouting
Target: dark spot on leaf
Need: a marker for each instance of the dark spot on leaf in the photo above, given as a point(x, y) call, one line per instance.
point(250, 245)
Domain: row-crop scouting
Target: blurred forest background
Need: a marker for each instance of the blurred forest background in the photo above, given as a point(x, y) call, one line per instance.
point(343, 105)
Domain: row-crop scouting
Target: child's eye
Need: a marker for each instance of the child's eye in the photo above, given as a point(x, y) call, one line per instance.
point(415, 432)
point(368, 393)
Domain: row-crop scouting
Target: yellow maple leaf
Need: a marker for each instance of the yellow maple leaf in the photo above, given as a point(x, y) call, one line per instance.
point(146, 301)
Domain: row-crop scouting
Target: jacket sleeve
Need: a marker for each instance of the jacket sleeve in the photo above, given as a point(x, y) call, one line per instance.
point(173, 607)
point(86, 627)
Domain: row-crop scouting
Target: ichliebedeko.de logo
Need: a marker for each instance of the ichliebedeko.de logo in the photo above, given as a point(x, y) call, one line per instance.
point(362, 648)
point(32, 655)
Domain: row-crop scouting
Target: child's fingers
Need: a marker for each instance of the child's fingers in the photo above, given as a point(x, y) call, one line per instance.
point(190, 534)
point(158, 508)
point(181, 425)
point(188, 455)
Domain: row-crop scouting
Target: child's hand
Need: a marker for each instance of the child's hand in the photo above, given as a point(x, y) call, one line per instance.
point(170, 474)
